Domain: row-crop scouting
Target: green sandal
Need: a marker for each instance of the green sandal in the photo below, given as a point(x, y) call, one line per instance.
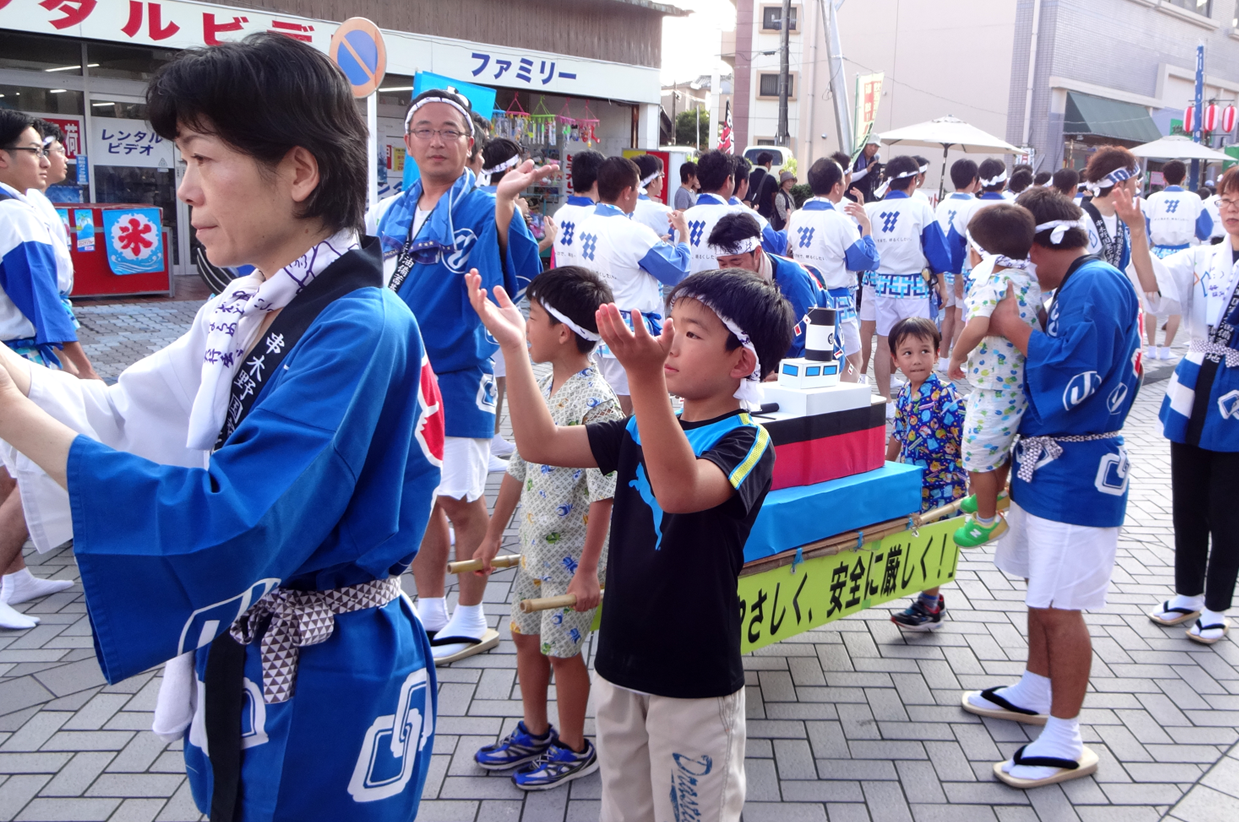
point(973, 534)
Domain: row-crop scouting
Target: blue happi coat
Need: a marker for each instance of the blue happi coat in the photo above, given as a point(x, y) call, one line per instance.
point(326, 483)
point(459, 234)
point(1081, 377)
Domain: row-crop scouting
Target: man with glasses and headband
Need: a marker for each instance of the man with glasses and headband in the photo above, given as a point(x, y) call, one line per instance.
point(33, 322)
point(432, 234)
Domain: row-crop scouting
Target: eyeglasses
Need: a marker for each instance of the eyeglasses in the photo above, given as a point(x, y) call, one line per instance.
point(41, 152)
point(1226, 202)
point(448, 134)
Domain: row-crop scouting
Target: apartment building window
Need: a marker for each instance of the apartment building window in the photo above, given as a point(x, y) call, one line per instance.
point(768, 85)
point(1201, 7)
point(771, 15)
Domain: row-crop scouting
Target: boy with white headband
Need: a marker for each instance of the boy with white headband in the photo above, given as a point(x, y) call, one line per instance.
point(650, 209)
point(563, 531)
point(999, 238)
point(669, 689)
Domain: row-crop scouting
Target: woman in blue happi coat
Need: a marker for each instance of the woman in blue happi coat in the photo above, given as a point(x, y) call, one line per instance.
point(244, 501)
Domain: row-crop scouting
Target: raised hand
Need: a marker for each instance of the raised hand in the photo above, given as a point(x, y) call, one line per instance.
point(1127, 206)
point(857, 212)
point(521, 178)
point(503, 321)
point(636, 350)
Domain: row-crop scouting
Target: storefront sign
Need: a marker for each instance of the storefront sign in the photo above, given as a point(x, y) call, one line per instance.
point(178, 24)
point(783, 602)
point(133, 240)
point(868, 96)
point(72, 129)
point(117, 142)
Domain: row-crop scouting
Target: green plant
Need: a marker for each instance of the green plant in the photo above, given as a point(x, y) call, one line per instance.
point(800, 193)
point(686, 129)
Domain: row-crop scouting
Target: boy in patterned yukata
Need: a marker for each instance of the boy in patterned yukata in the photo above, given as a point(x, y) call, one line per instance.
point(999, 238)
point(928, 419)
point(565, 513)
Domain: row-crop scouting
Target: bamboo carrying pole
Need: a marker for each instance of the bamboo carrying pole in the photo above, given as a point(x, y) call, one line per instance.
point(529, 606)
point(467, 565)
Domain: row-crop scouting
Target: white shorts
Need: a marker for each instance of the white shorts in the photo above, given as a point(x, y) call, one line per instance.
point(465, 464)
point(1068, 567)
point(849, 329)
point(867, 298)
point(890, 310)
point(1160, 307)
point(501, 367)
point(614, 374)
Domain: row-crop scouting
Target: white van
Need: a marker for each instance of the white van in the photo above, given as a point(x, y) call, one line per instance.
point(780, 155)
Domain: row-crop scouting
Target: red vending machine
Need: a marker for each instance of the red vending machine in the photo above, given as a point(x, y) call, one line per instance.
point(117, 250)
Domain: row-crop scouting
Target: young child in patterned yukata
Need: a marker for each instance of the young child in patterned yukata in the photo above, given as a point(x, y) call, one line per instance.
point(565, 513)
point(929, 416)
point(999, 238)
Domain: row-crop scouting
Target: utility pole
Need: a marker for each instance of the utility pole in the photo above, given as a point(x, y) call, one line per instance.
point(1197, 127)
point(838, 86)
point(782, 137)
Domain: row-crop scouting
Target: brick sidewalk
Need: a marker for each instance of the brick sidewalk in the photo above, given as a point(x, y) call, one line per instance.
point(853, 721)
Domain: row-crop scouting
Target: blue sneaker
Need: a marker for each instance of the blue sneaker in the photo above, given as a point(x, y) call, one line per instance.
point(555, 767)
point(517, 748)
point(919, 618)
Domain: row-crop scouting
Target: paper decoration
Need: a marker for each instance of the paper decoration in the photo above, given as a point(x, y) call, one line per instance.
point(134, 242)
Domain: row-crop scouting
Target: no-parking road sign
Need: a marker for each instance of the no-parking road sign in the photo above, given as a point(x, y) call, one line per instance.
point(357, 48)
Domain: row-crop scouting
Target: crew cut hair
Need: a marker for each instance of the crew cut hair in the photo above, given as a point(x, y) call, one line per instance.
point(901, 165)
point(843, 159)
point(988, 170)
point(823, 175)
point(1004, 229)
point(1174, 172)
point(764, 157)
point(1020, 180)
point(1048, 205)
point(963, 173)
point(1064, 180)
point(614, 175)
point(575, 292)
point(757, 306)
point(12, 124)
point(585, 165)
point(1042, 178)
point(713, 169)
point(497, 151)
point(732, 228)
point(264, 96)
point(647, 164)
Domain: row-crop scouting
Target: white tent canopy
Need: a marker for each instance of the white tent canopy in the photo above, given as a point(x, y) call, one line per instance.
point(948, 132)
point(1178, 147)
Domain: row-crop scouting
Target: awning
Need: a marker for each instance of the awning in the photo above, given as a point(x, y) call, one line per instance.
point(1099, 116)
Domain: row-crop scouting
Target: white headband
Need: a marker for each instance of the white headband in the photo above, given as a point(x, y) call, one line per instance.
point(484, 179)
point(582, 332)
point(48, 140)
point(446, 100)
point(738, 247)
point(650, 179)
point(999, 259)
point(1061, 227)
point(923, 169)
point(749, 393)
point(993, 181)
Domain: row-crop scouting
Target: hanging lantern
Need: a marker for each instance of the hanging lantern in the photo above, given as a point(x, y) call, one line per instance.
point(1208, 120)
point(1189, 120)
point(1228, 119)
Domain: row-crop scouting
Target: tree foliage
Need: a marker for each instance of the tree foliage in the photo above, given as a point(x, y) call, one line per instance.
point(686, 129)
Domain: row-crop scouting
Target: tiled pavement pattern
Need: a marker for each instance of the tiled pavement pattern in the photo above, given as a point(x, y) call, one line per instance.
point(850, 722)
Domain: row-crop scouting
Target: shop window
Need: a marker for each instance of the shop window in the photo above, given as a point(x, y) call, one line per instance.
point(33, 52)
point(125, 62)
point(768, 85)
point(118, 109)
point(772, 15)
point(45, 100)
point(1201, 7)
point(396, 90)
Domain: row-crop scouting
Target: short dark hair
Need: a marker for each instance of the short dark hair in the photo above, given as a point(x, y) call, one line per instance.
point(732, 228)
point(963, 173)
point(1105, 160)
point(1228, 183)
point(481, 134)
point(1041, 178)
point(1020, 180)
point(1047, 205)
point(648, 164)
point(921, 162)
point(49, 130)
point(1205, 192)
point(688, 170)
point(1064, 180)
point(754, 304)
point(1004, 229)
point(823, 175)
point(265, 96)
point(743, 168)
point(12, 124)
point(713, 169)
point(922, 328)
point(1021, 167)
point(466, 121)
point(575, 292)
point(614, 175)
point(764, 157)
point(988, 170)
point(1174, 172)
point(901, 165)
point(585, 165)
point(496, 152)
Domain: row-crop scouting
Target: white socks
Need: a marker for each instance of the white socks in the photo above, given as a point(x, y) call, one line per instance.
point(1032, 693)
point(432, 611)
point(1060, 738)
point(1195, 603)
point(22, 586)
point(467, 620)
point(13, 619)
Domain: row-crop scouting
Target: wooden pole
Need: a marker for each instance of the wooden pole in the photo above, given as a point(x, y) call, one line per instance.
point(467, 565)
point(529, 606)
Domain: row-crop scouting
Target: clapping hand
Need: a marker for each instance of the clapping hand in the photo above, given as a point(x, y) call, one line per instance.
point(503, 321)
point(636, 350)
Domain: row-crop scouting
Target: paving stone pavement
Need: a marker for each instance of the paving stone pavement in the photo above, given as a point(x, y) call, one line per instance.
point(853, 722)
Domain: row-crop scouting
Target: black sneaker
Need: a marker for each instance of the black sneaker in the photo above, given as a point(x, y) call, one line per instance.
point(517, 748)
point(559, 764)
point(919, 618)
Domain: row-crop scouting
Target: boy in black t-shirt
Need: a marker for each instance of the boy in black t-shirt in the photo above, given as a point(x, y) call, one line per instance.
point(670, 686)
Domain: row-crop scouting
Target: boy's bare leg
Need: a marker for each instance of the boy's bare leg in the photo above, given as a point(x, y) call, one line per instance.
point(13, 534)
point(986, 487)
point(501, 384)
point(469, 520)
point(572, 694)
point(867, 330)
point(1172, 328)
point(882, 367)
point(430, 564)
point(534, 672)
point(1067, 654)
